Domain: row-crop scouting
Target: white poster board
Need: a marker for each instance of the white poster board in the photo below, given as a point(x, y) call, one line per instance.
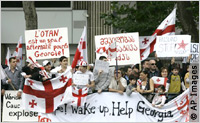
point(101, 65)
point(80, 79)
point(128, 51)
point(12, 111)
point(194, 51)
point(47, 43)
point(173, 46)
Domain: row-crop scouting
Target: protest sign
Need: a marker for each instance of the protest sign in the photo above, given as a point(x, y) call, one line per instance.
point(80, 79)
point(47, 43)
point(127, 47)
point(194, 51)
point(12, 111)
point(101, 65)
point(173, 46)
point(113, 107)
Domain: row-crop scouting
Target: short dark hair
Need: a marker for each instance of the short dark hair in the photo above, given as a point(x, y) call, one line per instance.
point(162, 87)
point(62, 57)
point(11, 58)
point(132, 77)
point(144, 61)
point(126, 68)
point(136, 66)
point(102, 57)
point(175, 66)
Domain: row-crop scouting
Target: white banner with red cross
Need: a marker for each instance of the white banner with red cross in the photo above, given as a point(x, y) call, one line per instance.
point(46, 96)
point(47, 43)
point(114, 107)
point(80, 96)
point(173, 46)
point(127, 48)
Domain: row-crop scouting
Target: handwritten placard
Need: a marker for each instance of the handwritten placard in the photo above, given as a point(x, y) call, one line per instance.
point(12, 111)
point(47, 43)
point(80, 79)
point(101, 65)
point(173, 46)
point(128, 51)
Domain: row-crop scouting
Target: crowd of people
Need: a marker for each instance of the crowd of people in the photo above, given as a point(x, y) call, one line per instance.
point(122, 79)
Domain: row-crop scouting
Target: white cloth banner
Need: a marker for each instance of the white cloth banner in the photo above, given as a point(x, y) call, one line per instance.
point(173, 46)
point(47, 43)
point(46, 96)
point(113, 107)
point(128, 51)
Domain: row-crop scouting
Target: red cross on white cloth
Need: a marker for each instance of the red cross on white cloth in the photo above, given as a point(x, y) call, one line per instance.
point(47, 94)
point(81, 94)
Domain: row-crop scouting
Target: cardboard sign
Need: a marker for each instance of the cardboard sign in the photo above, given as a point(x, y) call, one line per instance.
point(80, 79)
point(47, 43)
point(12, 111)
point(173, 46)
point(101, 65)
point(128, 51)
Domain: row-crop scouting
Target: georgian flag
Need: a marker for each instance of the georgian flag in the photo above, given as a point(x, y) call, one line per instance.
point(8, 55)
point(167, 27)
point(81, 51)
point(79, 95)
point(18, 52)
point(159, 81)
point(45, 97)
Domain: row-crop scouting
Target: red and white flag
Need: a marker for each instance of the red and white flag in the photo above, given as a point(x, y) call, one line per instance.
point(80, 96)
point(8, 55)
point(167, 27)
point(111, 50)
point(81, 51)
point(3, 73)
point(159, 81)
point(45, 97)
point(18, 52)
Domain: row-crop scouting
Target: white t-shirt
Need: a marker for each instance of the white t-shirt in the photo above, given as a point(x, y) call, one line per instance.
point(114, 85)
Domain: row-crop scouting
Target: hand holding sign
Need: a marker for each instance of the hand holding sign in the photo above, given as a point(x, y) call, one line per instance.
point(80, 79)
point(101, 66)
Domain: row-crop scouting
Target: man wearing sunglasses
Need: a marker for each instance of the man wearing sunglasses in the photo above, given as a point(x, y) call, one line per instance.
point(153, 69)
point(118, 83)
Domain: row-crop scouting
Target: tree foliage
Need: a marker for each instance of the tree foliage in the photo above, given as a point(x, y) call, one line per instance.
point(144, 16)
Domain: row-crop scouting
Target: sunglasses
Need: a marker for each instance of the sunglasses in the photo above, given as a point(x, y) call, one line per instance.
point(153, 64)
point(118, 72)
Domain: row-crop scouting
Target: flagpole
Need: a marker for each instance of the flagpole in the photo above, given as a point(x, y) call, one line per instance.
point(8, 78)
point(116, 68)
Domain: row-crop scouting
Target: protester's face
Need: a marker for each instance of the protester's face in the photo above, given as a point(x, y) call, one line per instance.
point(64, 63)
point(135, 72)
point(119, 74)
point(152, 64)
point(146, 64)
point(164, 73)
point(83, 69)
point(48, 67)
point(105, 59)
point(143, 76)
point(31, 66)
point(129, 71)
point(160, 90)
point(133, 81)
point(13, 63)
point(175, 71)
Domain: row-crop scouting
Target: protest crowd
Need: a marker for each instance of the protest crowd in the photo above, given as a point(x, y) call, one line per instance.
point(155, 80)
point(122, 80)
